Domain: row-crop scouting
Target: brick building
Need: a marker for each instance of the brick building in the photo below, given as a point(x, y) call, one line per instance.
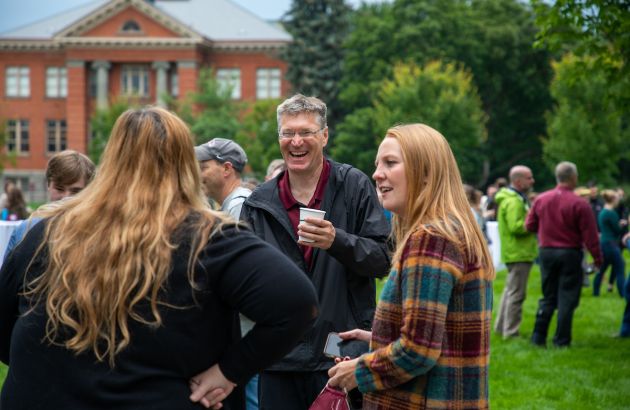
point(54, 73)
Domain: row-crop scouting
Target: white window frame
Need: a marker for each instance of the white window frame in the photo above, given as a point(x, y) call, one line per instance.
point(129, 72)
point(18, 81)
point(18, 136)
point(268, 83)
point(58, 130)
point(56, 82)
point(230, 78)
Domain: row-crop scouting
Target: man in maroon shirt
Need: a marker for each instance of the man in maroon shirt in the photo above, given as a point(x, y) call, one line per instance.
point(565, 225)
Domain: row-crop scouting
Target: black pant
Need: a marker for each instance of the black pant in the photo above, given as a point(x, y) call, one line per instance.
point(561, 276)
point(289, 390)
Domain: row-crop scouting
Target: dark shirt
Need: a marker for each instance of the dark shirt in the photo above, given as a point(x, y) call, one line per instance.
point(236, 271)
point(596, 206)
point(564, 220)
point(293, 206)
point(609, 227)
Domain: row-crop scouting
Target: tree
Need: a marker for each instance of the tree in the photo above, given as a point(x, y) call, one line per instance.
point(438, 94)
point(491, 38)
point(210, 111)
point(259, 135)
point(585, 126)
point(315, 56)
point(101, 123)
point(594, 28)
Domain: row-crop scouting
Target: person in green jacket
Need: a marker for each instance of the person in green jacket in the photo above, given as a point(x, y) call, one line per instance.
point(518, 248)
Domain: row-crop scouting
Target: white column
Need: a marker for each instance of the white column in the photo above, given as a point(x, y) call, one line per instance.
point(102, 79)
point(161, 68)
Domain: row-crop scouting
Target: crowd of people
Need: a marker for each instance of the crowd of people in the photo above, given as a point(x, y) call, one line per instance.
point(166, 280)
point(554, 229)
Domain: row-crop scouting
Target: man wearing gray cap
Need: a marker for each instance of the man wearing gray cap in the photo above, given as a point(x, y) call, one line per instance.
point(222, 161)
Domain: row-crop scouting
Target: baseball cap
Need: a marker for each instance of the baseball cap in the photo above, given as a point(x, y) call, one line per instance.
point(222, 150)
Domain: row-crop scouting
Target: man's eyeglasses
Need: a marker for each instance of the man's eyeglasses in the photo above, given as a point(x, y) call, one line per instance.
point(301, 133)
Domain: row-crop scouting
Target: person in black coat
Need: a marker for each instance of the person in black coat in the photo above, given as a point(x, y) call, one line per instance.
point(125, 293)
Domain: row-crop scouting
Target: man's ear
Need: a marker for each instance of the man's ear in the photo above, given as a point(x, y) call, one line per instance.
point(227, 168)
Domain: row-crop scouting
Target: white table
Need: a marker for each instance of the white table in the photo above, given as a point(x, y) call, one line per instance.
point(6, 229)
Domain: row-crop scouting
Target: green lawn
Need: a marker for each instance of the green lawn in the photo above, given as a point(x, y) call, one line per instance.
point(593, 374)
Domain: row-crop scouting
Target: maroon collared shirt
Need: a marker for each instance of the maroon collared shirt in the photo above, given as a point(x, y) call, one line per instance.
point(564, 220)
point(293, 206)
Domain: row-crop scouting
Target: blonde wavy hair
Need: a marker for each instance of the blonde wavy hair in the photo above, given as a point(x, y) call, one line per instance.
point(109, 247)
point(435, 194)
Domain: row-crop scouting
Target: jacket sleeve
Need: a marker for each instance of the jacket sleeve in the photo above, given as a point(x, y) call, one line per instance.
point(8, 305)
point(364, 252)
point(531, 221)
point(515, 214)
point(427, 280)
point(12, 276)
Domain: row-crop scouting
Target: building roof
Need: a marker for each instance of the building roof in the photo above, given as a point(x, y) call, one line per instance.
point(222, 20)
point(47, 27)
point(216, 20)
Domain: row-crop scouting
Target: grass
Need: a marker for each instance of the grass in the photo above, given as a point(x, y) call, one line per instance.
point(593, 374)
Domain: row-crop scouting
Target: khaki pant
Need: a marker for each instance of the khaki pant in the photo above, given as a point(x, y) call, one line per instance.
point(511, 308)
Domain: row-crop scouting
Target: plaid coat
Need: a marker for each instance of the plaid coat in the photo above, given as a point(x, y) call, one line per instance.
point(430, 343)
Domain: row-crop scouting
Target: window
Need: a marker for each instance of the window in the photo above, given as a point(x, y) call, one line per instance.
point(56, 132)
point(18, 83)
point(56, 82)
point(175, 83)
point(267, 83)
point(92, 82)
point(135, 80)
point(17, 136)
point(131, 26)
point(230, 78)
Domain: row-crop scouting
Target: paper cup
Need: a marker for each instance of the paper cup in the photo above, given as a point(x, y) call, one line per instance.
point(310, 213)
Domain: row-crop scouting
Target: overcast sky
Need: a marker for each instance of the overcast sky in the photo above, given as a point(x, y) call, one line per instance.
point(16, 13)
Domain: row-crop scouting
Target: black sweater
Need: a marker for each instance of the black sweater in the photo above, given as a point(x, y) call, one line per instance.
point(237, 272)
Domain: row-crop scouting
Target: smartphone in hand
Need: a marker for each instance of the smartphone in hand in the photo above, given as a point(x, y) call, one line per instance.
point(337, 347)
point(332, 348)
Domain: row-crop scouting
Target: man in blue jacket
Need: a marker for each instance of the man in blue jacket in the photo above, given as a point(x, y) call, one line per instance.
point(348, 248)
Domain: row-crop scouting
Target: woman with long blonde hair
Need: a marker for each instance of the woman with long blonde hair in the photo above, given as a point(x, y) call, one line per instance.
point(429, 345)
point(128, 290)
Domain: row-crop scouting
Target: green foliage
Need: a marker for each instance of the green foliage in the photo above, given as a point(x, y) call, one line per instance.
point(315, 57)
point(101, 123)
point(437, 94)
point(210, 111)
point(594, 28)
point(491, 38)
point(586, 127)
point(259, 135)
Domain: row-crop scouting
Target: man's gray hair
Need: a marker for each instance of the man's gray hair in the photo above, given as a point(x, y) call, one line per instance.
point(301, 104)
point(566, 171)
